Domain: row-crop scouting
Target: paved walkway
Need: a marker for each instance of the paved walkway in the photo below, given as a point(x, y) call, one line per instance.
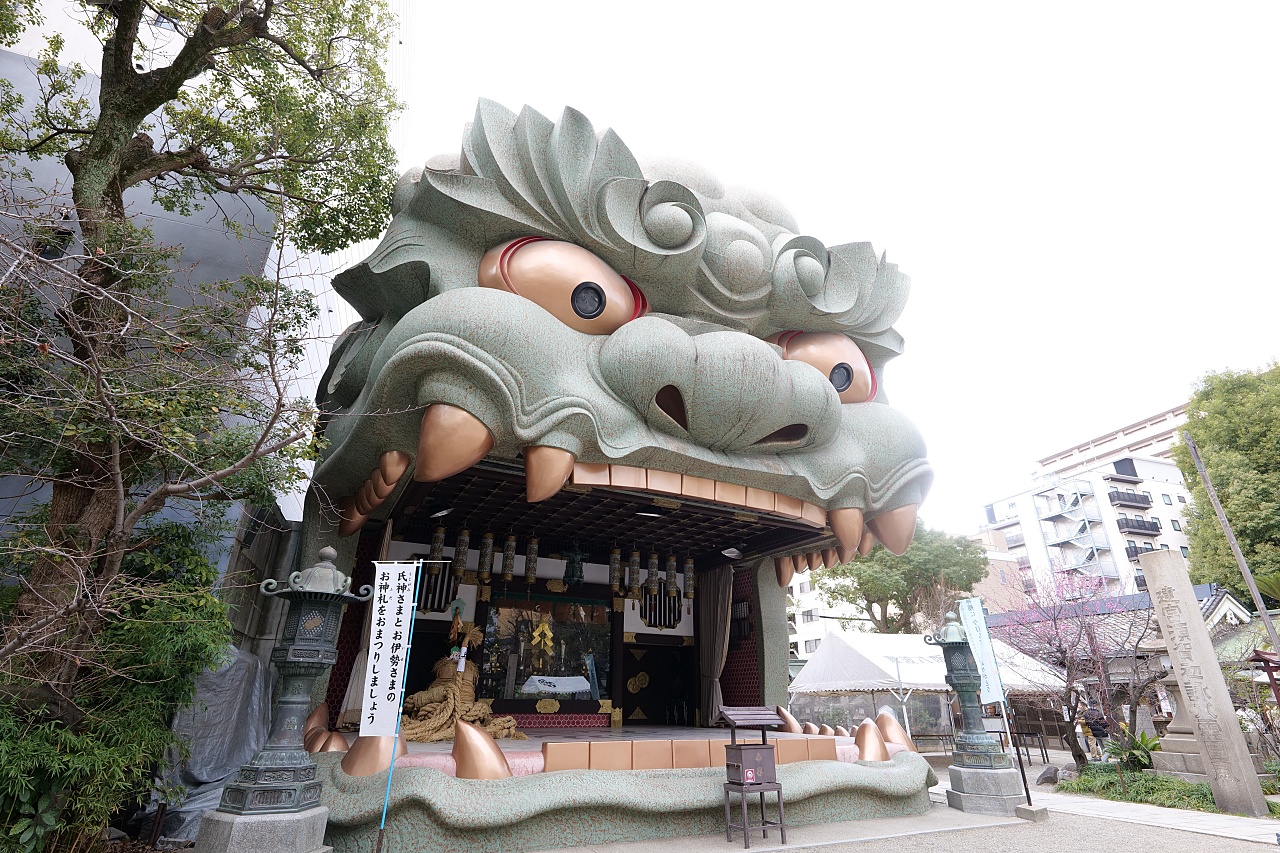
point(1264, 830)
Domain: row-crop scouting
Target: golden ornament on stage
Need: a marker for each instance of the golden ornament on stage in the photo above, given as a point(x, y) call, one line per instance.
point(690, 578)
point(672, 588)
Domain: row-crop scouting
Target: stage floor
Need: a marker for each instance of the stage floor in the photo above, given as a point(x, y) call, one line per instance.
point(537, 737)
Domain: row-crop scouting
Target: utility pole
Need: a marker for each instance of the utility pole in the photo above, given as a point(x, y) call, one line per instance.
point(1231, 540)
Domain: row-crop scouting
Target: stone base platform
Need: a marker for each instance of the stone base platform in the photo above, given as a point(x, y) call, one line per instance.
point(982, 791)
point(301, 832)
point(431, 811)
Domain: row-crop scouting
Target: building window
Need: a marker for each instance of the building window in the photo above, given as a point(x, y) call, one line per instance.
point(1147, 495)
point(1146, 546)
point(1185, 551)
point(1176, 524)
point(795, 650)
point(1131, 543)
point(804, 587)
point(1164, 547)
point(809, 616)
point(1182, 499)
point(1121, 515)
point(1168, 500)
point(811, 646)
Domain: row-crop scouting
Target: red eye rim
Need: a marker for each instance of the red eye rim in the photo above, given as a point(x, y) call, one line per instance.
point(783, 338)
point(505, 257)
point(642, 303)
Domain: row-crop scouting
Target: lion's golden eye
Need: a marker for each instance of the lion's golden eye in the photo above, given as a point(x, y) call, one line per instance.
point(581, 290)
point(836, 356)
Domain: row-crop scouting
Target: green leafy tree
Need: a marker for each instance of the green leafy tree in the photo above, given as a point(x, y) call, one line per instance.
point(130, 394)
point(1234, 418)
point(894, 591)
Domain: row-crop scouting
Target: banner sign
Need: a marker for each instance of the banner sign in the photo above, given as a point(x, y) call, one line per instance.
point(392, 614)
point(975, 629)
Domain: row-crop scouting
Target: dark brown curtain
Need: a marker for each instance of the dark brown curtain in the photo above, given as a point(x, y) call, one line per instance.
point(715, 591)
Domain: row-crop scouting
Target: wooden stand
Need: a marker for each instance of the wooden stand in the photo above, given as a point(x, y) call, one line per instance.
point(746, 825)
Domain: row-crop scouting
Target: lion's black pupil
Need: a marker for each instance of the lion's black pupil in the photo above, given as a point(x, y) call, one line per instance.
point(588, 300)
point(842, 377)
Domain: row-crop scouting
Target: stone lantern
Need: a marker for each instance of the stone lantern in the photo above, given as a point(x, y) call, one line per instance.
point(982, 777)
point(974, 746)
point(281, 778)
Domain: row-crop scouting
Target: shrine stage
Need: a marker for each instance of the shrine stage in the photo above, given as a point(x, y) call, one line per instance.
point(434, 812)
point(525, 757)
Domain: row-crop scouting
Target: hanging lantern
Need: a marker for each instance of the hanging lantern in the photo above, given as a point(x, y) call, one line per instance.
point(484, 569)
point(531, 562)
point(460, 547)
point(615, 570)
point(689, 577)
point(437, 551)
point(509, 558)
point(633, 575)
point(651, 577)
point(573, 566)
point(672, 589)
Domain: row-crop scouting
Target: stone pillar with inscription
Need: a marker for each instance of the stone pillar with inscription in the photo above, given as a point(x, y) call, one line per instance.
point(1202, 686)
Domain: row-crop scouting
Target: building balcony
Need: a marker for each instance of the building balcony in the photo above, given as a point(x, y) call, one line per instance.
point(1015, 540)
point(1132, 552)
point(1139, 526)
point(1132, 479)
point(1133, 499)
point(1024, 563)
point(1093, 568)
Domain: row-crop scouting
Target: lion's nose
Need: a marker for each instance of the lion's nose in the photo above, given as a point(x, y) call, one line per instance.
point(723, 390)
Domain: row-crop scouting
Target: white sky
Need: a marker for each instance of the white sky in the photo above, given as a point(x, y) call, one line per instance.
point(1084, 195)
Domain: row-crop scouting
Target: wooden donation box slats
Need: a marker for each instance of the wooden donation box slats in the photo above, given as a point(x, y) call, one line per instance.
point(750, 763)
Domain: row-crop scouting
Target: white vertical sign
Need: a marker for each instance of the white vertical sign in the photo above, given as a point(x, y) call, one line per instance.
point(390, 630)
point(975, 629)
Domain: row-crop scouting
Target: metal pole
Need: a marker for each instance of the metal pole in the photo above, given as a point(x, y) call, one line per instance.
point(1004, 712)
point(1231, 540)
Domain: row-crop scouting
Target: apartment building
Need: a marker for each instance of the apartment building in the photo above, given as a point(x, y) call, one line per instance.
point(810, 619)
point(1092, 509)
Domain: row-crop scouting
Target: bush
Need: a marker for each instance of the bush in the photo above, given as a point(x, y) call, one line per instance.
point(1103, 780)
point(1132, 749)
point(63, 777)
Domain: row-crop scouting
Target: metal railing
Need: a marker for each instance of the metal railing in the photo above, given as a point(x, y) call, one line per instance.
point(1139, 525)
point(1133, 499)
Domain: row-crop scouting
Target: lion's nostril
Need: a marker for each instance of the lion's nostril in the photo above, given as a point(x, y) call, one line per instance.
point(791, 432)
point(671, 401)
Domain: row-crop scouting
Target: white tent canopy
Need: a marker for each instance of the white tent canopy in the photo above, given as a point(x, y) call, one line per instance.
point(860, 663)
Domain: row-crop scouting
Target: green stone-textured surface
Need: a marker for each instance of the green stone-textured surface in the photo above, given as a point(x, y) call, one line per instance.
point(431, 811)
point(721, 267)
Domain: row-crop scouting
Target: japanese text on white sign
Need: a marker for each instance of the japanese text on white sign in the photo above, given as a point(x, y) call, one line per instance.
point(392, 613)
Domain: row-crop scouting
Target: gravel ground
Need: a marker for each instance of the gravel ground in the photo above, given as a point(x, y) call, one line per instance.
point(1059, 832)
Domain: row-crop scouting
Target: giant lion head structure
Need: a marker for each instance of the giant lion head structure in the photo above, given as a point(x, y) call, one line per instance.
point(543, 298)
